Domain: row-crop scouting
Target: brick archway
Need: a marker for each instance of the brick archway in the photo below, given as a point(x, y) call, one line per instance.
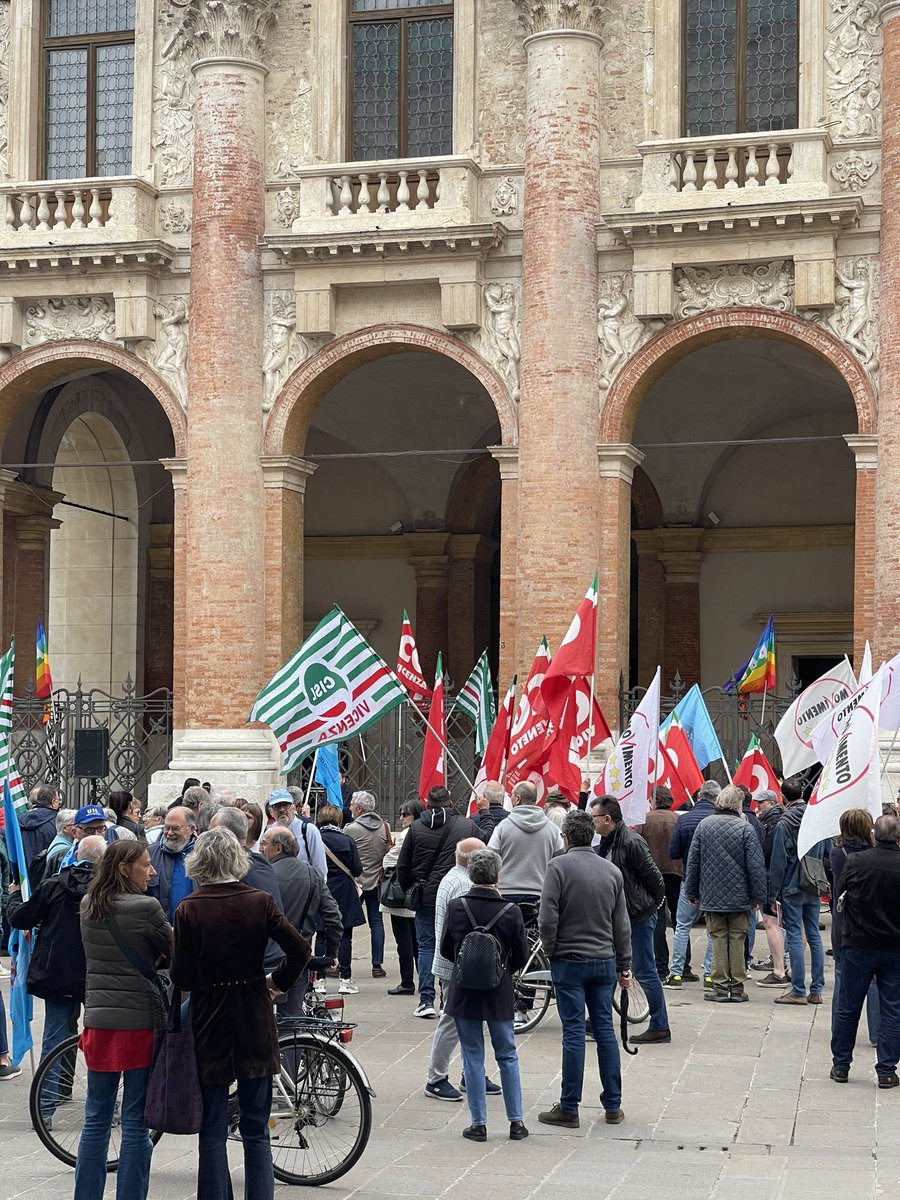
point(288, 422)
point(650, 363)
point(39, 367)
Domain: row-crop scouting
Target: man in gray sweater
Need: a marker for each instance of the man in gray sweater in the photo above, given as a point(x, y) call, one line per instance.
point(586, 934)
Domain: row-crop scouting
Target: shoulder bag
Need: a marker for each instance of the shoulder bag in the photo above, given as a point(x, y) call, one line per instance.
point(413, 896)
point(340, 866)
point(174, 1100)
point(149, 972)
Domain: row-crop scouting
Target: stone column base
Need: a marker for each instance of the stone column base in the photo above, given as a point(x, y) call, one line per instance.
point(247, 760)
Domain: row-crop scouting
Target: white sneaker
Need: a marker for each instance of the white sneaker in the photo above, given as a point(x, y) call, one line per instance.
point(348, 987)
point(424, 1010)
point(520, 1018)
point(319, 986)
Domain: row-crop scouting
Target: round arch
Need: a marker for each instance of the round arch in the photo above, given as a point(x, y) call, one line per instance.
point(39, 367)
point(643, 369)
point(288, 422)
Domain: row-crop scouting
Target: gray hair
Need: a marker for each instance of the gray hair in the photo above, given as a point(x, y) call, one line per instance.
point(64, 817)
point(730, 799)
point(484, 868)
point(557, 815)
point(280, 836)
point(233, 820)
point(578, 828)
point(364, 801)
point(299, 796)
point(525, 793)
point(493, 792)
point(765, 797)
point(223, 795)
point(90, 849)
point(217, 857)
point(111, 815)
point(194, 797)
point(887, 829)
point(464, 857)
point(709, 790)
point(157, 810)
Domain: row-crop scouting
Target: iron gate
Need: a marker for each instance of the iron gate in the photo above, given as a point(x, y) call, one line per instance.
point(140, 739)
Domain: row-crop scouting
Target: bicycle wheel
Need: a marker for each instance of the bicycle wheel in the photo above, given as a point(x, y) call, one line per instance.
point(533, 991)
point(321, 1112)
point(638, 1004)
point(56, 1102)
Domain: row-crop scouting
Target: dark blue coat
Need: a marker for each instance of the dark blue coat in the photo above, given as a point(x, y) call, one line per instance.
point(340, 884)
point(684, 831)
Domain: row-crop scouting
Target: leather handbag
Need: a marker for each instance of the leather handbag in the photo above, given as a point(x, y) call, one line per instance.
point(392, 895)
point(174, 1100)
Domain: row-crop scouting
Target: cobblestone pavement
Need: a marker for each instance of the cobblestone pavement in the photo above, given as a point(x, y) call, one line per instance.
point(738, 1107)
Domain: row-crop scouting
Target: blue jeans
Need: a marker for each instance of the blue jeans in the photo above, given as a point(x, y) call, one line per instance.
point(858, 968)
point(580, 982)
point(376, 924)
point(644, 967)
point(471, 1043)
point(802, 913)
point(213, 1179)
point(686, 915)
point(133, 1177)
point(873, 1007)
point(59, 1017)
point(425, 938)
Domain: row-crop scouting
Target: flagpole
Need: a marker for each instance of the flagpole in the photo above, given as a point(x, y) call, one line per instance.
point(450, 753)
point(312, 776)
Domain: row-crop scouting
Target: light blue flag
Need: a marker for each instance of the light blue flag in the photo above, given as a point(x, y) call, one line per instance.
point(694, 716)
point(327, 774)
point(21, 1005)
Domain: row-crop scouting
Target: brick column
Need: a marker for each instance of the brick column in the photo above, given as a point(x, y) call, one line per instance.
point(865, 451)
point(508, 461)
point(617, 464)
point(285, 484)
point(887, 507)
point(651, 598)
point(558, 492)
point(158, 626)
point(31, 590)
point(468, 602)
point(432, 597)
point(681, 559)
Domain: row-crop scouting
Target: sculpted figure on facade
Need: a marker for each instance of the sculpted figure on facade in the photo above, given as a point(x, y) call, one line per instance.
point(854, 171)
point(289, 142)
point(855, 316)
point(700, 289)
point(619, 331)
point(169, 353)
point(287, 207)
point(853, 58)
point(283, 347)
point(59, 320)
point(173, 103)
point(174, 216)
point(4, 88)
point(505, 201)
point(504, 332)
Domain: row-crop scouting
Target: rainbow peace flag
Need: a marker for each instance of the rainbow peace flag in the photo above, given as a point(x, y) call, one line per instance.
point(758, 672)
point(43, 682)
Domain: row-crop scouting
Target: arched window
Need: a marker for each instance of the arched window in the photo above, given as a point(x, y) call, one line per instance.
point(740, 66)
point(401, 78)
point(88, 87)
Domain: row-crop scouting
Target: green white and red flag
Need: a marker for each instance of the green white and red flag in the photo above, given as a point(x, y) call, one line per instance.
point(677, 767)
point(8, 770)
point(333, 688)
point(409, 671)
point(434, 749)
point(754, 771)
point(476, 700)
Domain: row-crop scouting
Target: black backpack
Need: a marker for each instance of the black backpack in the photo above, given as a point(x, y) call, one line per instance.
point(480, 962)
point(37, 868)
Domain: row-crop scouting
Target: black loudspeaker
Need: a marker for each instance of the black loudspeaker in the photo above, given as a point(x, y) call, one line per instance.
point(91, 753)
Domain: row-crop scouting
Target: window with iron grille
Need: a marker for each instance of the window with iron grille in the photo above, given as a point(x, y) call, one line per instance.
point(401, 79)
point(741, 66)
point(88, 51)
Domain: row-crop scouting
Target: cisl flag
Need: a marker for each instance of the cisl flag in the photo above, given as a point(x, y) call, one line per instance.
point(575, 656)
point(628, 772)
point(493, 765)
point(812, 706)
point(434, 766)
point(408, 670)
point(529, 731)
point(678, 769)
point(754, 771)
point(851, 777)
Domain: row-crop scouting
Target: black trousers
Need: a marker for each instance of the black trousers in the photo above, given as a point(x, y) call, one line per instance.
point(404, 930)
point(660, 945)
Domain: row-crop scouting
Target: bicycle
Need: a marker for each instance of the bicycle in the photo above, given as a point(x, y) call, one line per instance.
point(533, 991)
point(321, 1114)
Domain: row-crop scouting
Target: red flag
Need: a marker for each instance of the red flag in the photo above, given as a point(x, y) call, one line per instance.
point(575, 657)
point(563, 758)
point(678, 768)
point(408, 670)
point(529, 731)
point(434, 766)
point(754, 770)
point(591, 729)
point(496, 752)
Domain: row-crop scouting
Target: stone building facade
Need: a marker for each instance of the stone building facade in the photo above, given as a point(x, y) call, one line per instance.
point(441, 306)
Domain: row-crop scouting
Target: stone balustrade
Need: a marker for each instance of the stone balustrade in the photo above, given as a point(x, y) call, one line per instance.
point(112, 209)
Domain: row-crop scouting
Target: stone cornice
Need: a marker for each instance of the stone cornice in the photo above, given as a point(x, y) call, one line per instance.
point(548, 16)
point(231, 29)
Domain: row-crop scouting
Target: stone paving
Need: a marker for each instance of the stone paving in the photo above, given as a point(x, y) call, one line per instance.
point(738, 1107)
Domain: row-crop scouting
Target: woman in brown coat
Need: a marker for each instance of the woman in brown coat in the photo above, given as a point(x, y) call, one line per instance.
point(221, 932)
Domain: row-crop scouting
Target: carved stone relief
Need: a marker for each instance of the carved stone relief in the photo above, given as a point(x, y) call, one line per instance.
point(854, 318)
point(283, 347)
point(174, 216)
point(221, 28)
point(502, 341)
point(700, 289)
point(853, 58)
point(289, 140)
point(505, 201)
point(59, 320)
point(173, 104)
point(4, 87)
point(287, 206)
point(169, 353)
point(854, 171)
point(619, 331)
point(539, 16)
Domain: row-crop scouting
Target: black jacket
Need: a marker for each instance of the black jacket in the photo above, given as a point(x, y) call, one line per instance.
point(38, 826)
point(645, 889)
point(488, 820)
point(835, 864)
point(684, 830)
point(496, 1005)
point(870, 888)
point(769, 820)
point(57, 970)
point(420, 843)
point(754, 822)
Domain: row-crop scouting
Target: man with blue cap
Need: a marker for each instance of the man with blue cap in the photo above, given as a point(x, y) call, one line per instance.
point(283, 811)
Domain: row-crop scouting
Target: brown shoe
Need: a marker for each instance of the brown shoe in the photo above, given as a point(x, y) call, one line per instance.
point(651, 1035)
point(379, 973)
point(814, 998)
point(615, 1118)
point(556, 1116)
point(790, 998)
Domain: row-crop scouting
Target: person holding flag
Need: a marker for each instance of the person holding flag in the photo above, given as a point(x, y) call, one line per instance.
point(20, 952)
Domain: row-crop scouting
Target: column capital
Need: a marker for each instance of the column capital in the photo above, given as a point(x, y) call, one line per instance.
point(235, 30)
point(471, 547)
point(560, 16)
point(680, 553)
point(432, 571)
point(177, 468)
point(618, 460)
point(865, 445)
point(286, 471)
point(507, 459)
point(32, 531)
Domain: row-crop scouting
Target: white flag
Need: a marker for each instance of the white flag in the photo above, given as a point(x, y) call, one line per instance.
point(889, 715)
point(628, 772)
point(851, 778)
point(865, 671)
point(827, 732)
point(812, 706)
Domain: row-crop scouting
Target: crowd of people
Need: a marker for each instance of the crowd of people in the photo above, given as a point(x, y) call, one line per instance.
point(226, 896)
